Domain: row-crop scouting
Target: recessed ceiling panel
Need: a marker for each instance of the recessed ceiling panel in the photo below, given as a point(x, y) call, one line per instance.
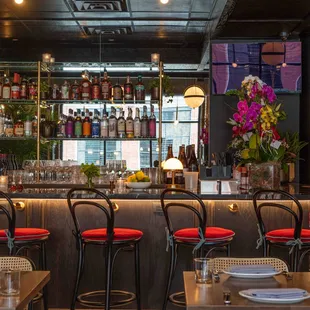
point(108, 30)
point(159, 15)
point(203, 5)
point(161, 23)
point(99, 5)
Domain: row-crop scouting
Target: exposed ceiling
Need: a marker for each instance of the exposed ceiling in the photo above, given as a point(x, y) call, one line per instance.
point(132, 29)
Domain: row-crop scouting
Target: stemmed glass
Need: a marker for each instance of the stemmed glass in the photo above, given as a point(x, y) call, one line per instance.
point(123, 167)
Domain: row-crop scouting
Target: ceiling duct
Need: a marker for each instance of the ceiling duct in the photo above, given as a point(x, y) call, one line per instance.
point(107, 30)
point(100, 6)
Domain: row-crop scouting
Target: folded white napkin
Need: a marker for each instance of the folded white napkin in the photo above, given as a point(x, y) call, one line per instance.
point(278, 293)
point(252, 269)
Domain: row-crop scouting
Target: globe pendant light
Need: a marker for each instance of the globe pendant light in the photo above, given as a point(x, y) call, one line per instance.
point(194, 96)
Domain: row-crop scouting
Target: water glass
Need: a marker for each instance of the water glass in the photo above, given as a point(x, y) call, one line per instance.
point(9, 282)
point(203, 270)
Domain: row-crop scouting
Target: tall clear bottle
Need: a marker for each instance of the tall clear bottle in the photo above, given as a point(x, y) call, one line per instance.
point(121, 125)
point(145, 123)
point(65, 89)
point(113, 124)
point(129, 124)
point(28, 127)
point(168, 174)
point(104, 125)
point(95, 125)
point(152, 123)
point(137, 124)
point(61, 126)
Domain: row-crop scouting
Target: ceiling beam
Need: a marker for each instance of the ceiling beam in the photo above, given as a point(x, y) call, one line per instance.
point(215, 16)
point(160, 19)
point(269, 20)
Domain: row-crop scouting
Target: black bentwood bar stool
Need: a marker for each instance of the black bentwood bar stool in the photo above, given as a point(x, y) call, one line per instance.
point(296, 240)
point(113, 240)
point(20, 239)
point(200, 238)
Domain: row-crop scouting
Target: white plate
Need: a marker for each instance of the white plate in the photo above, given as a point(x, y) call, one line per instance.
point(273, 300)
point(138, 186)
point(252, 275)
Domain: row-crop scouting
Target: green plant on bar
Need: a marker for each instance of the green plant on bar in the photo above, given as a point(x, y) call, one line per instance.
point(90, 171)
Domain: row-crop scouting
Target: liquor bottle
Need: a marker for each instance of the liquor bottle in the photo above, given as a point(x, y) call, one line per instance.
point(34, 126)
point(1, 85)
point(96, 89)
point(9, 127)
point(18, 129)
point(2, 120)
point(86, 89)
point(129, 124)
point(140, 90)
point(24, 88)
point(15, 89)
point(106, 87)
point(121, 125)
point(128, 89)
point(6, 89)
point(113, 124)
point(104, 126)
point(179, 174)
point(78, 125)
point(168, 174)
point(65, 88)
point(145, 123)
point(95, 125)
point(61, 126)
point(75, 91)
point(28, 127)
point(33, 91)
point(70, 125)
point(117, 91)
point(137, 124)
point(152, 123)
point(86, 125)
point(192, 161)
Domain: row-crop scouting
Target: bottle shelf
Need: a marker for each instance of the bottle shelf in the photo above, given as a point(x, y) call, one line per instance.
point(18, 101)
point(108, 102)
point(101, 139)
point(17, 138)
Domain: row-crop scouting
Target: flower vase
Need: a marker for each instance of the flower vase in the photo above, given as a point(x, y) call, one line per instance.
point(90, 183)
point(264, 176)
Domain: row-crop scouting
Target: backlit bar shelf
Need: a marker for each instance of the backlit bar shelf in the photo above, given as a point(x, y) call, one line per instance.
point(17, 138)
point(111, 102)
point(17, 101)
point(101, 139)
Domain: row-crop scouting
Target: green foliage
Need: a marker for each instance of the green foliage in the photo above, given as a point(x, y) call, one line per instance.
point(44, 87)
point(167, 86)
point(90, 172)
point(236, 92)
point(294, 146)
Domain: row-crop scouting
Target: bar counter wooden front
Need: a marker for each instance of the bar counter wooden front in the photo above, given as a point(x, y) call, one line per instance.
point(210, 296)
point(140, 211)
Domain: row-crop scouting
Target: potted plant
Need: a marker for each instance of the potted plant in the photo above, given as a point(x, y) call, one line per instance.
point(291, 155)
point(167, 88)
point(90, 172)
point(44, 90)
point(255, 134)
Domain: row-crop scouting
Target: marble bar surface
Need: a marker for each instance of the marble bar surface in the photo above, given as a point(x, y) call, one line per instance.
point(42, 191)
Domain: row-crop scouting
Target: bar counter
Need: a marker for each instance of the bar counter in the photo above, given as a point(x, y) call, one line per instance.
point(139, 210)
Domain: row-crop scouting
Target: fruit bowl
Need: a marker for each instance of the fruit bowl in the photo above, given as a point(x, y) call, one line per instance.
point(138, 186)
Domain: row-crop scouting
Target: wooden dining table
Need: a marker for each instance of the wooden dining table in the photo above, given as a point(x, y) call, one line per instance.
point(210, 296)
point(31, 282)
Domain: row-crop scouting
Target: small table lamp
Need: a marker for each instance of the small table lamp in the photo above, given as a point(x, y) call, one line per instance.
point(173, 164)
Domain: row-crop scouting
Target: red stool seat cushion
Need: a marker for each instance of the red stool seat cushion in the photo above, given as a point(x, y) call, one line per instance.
point(26, 233)
point(211, 234)
point(120, 234)
point(287, 234)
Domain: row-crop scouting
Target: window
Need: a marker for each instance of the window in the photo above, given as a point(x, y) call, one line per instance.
point(138, 154)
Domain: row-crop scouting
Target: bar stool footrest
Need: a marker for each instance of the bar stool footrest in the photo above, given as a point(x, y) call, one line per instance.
point(85, 298)
point(175, 299)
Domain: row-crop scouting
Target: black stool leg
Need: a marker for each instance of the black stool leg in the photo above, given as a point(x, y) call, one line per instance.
point(78, 273)
point(108, 276)
point(137, 275)
point(228, 250)
point(171, 268)
point(295, 258)
point(43, 260)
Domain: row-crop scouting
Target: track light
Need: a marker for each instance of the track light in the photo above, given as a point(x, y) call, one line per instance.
point(164, 1)
point(234, 64)
point(284, 64)
point(19, 1)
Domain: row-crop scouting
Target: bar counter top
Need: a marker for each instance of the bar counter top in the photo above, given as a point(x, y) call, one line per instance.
point(300, 191)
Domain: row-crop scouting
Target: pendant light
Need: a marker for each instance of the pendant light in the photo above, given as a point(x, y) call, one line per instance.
point(194, 96)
